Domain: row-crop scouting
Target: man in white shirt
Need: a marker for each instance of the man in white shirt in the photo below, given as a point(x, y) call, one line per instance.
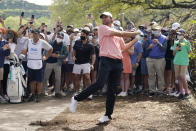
point(35, 63)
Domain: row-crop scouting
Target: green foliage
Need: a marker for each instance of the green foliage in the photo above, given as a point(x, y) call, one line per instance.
point(15, 7)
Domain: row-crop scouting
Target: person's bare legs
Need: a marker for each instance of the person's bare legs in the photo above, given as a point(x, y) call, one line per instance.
point(77, 79)
point(94, 76)
point(127, 82)
point(123, 82)
point(33, 87)
point(39, 87)
point(167, 78)
point(87, 79)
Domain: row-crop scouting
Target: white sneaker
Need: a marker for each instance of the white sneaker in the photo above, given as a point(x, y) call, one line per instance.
point(120, 94)
point(63, 93)
point(177, 94)
point(172, 94)
point(90, 97)
point(104, 119)
point(6, 98)
point(73, 105)
point(2, 100)
point(124, 94)
point(71, 86)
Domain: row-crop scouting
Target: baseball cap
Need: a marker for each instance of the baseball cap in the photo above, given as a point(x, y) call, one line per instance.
point(156, 27)
point(106, 14)
point(86, 29)
point(60, 34)
point(76, 30)
point(181, 31)
point(117, 22)
point(175, 26)
point(35, 31)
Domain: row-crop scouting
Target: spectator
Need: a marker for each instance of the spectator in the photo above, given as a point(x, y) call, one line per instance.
point(82, 54)
point(54, 63)
point(4, 51)
point(135, 60)
point(34, 63)
point(181, 48)
point(155, 60)
point(11, 38)
point(127, 68)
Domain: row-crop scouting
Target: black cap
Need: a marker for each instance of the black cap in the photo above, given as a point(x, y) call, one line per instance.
point(35, 31)
point(60, 34)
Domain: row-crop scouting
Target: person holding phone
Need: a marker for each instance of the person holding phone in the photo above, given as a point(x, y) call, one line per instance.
point(181, 50)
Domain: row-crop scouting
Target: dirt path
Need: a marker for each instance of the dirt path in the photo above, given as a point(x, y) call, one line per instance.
point(131, 113)
point(16, 117)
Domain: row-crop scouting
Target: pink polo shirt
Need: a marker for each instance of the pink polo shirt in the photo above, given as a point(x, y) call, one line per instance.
point(109, 45)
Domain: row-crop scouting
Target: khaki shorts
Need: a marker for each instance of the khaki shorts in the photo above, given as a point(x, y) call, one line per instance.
point(180, 70)
point(1, 73)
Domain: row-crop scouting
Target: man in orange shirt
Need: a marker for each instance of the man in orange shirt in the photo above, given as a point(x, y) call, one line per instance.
point(110, 68)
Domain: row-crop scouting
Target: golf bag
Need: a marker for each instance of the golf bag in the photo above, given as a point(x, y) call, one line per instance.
point(16, 84)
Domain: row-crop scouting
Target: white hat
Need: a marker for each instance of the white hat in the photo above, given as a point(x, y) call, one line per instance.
point(76, 30)
point(87, 29)
point(106, 14)
point(175, 26)
point(117, 22)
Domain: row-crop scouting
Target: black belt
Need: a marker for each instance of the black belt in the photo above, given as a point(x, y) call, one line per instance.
point(111, 59)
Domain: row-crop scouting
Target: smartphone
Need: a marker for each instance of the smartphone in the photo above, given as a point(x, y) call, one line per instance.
point(89, 15)
point(22, 14)
point(179, 46)
point(32, 17)
point(31, 22)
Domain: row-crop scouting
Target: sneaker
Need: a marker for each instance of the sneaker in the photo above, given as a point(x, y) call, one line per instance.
point(2, 100)
point(58, 95)
point(181, 96)
point(63, 93)
point(173, 93)
point(37, 98)
point(187, 96)
point(177, 94)
point(104, 119)
point(71, 86)
point(151, 93)
point(120, 94)
point(31, 98)
point(6, 98)
point(124, 94)
point(90, 97)
point(73, 105)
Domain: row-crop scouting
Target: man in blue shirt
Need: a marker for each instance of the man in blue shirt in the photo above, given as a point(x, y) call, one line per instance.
point(135, 60)
point(156, 59)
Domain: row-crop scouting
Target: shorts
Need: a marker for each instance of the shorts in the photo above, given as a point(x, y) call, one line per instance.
point(36, 75)
point(82, 68)
point(144, 68)
point(67, 68)
point(180, 70)
point(1, 73)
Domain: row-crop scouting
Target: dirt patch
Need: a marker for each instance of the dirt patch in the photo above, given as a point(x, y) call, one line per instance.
point(131, 113)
